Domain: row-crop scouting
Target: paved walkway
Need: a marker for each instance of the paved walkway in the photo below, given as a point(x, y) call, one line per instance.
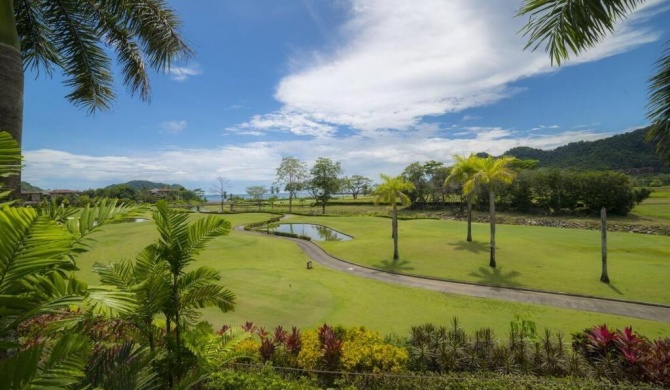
point(629, 309)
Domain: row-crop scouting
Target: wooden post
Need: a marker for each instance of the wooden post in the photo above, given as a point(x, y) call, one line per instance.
point(603, 236)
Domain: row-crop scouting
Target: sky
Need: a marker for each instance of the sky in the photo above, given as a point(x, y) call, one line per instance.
point(373, 84)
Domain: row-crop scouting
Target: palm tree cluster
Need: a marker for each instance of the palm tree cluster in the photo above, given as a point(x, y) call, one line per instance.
point(472, 173)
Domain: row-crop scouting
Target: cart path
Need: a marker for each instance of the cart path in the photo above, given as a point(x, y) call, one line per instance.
point(647, 311)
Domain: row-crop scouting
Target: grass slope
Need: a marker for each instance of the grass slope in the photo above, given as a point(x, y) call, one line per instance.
point(273, 287)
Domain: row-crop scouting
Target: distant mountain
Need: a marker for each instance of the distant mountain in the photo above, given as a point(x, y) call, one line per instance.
point(626, 152)
point(27, 187)
point(140, 185)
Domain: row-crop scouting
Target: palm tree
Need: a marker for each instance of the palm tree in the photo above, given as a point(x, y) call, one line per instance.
point(493, 172)
point(69, 36)
point(463, 170)
point(164, 280)
point(572, 26)
point(392, 191)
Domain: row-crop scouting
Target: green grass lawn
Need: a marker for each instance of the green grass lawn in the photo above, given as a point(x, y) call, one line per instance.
point(273, 287)
point(657, 206)
point(551, 259)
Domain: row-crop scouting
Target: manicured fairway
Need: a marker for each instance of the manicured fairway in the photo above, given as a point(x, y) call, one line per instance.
point(273, 287)
point(534, 257)
point(657, 206)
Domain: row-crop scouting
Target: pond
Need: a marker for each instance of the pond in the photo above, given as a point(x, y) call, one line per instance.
point(315, 232)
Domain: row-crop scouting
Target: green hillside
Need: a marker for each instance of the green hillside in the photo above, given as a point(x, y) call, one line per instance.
point(628, 151)
point(27, 187)
point(140, 185)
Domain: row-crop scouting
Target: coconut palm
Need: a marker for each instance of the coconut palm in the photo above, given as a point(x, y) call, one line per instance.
point(464, 169)
point(392, 191)
point(72, 36)
point(492, 172)
point(572, 26)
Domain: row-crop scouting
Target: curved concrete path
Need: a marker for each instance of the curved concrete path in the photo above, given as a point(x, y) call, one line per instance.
point(645, 311)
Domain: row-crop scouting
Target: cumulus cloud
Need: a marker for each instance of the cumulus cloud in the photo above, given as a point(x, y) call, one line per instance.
point(182, 73)
point(400, 61)
point(173, 127)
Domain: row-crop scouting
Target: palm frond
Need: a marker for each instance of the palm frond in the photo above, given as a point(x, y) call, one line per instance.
point(659, 106)
point(158, 29)
point(85, 64)
point(110, 22)
point(63, 366)
point(37, 45)
point(567, 27)
point(31, 244)
point(10, 155)
point(204, 230)
point(109, 302)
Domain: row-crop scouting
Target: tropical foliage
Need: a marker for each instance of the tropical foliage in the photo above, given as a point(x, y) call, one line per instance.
point(164, 283)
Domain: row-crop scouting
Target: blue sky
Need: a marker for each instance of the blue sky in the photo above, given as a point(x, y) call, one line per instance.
point(374, 84)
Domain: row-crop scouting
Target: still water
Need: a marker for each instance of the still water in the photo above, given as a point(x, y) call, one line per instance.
point(315, 232)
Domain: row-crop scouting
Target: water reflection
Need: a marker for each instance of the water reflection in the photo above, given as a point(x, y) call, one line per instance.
point(315, 232)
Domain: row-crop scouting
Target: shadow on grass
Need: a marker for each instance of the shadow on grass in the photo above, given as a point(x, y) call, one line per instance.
point(496, 276)
point(394, 266)
point(473, 246)
point(613, 287)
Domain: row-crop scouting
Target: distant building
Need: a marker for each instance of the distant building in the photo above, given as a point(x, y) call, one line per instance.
point(35, 197)
point(32, 197)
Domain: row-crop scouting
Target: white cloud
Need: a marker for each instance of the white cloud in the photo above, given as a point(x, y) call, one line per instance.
point(255, 162)
point(400, 61)
point(182, 73)
point(173, 127)
point(284, 121)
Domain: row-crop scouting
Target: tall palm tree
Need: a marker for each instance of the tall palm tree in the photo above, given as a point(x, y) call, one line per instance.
point(464, 169)
point(493, 172)
point(71, 36)
point(392, 191)
point(572, 26)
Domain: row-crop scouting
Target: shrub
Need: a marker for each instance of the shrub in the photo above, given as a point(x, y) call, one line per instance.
point(364, 351)
point(264, 379)
point(625, 355)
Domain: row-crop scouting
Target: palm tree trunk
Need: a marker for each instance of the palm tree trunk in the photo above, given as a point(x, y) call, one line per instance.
point(469, 239)
point(492, 220)
point(323, 206)
point(394, 227)
point(290, 201)
point(11, 85)
point(604, 277)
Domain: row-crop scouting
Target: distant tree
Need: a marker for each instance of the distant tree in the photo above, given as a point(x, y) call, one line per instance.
point(463, 170)
point(415, 173)
point(393, 190)
point(221, 189)
point(292, 174)
point(257, 193)
point(570, 26)
point(325, 180)
point(356, 185)
point(492, 173)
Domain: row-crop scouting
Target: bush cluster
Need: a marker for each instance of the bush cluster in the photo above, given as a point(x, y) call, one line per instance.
point(439, 357)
